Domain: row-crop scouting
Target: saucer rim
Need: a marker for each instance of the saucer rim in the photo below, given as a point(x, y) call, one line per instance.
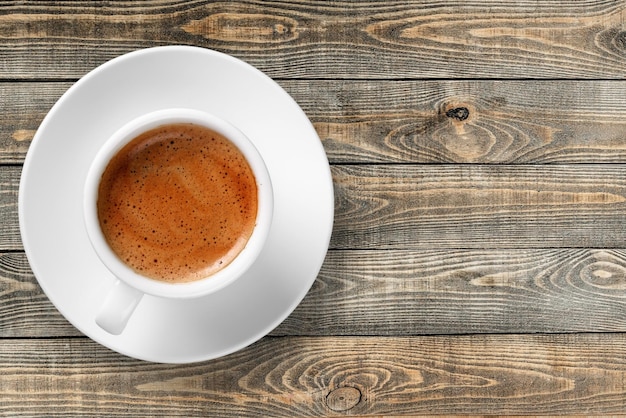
point(30, 165)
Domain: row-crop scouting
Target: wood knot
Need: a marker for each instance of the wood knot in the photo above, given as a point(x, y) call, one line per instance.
point(620, 40)
point(244, 27)
point(458, 113)
point(23, 135)
point(343, 399)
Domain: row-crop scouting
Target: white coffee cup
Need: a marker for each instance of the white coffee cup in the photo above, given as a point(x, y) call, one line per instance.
point(130, 286)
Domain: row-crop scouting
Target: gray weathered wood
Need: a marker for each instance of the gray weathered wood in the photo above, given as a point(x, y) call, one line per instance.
point(479, 206)
point(514, 122)
point(478, 264)
point(581, 374)
point(387, 293)
point(408, 39)
point(9, 224)
point(451, 206)
point(25, 311)
point(464, 292)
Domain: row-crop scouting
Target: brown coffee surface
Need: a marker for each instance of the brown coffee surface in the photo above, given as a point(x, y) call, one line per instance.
point(178, 203)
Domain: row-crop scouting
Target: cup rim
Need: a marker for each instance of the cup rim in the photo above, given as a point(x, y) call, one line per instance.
point(215, 281)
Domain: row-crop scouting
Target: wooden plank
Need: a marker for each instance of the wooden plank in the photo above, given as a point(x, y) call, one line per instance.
point(484, 122)
point(479, 206)
point(24, 106)
point(364, 376)
point(511, 122)
point(387, 293)
point(25, 311)
point(451, 206)
point(9, 223)
point(409, 39)
point(436, 292)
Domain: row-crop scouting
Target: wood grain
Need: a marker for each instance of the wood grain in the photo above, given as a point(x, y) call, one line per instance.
point(9, 223)
point(481, 206)
point(477, 263)
point(467, 122)
point(511, 122)
point(25, 311)
point(298, 376)
point(387, 293)
point(439, 292)
point(24, 107)
point(408, 39)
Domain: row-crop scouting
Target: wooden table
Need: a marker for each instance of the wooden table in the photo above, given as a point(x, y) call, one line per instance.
point(477, 263)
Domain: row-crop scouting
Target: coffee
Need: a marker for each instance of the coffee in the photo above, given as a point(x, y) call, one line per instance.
point(178, 203)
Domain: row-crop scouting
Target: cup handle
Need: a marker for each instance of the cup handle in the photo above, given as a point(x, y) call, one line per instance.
point(118, 306)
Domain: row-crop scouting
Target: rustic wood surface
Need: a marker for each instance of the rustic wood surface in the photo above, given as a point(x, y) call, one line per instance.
point(478, 258)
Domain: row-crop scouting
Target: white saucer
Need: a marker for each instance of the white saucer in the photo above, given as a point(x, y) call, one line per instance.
point(50, 201)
